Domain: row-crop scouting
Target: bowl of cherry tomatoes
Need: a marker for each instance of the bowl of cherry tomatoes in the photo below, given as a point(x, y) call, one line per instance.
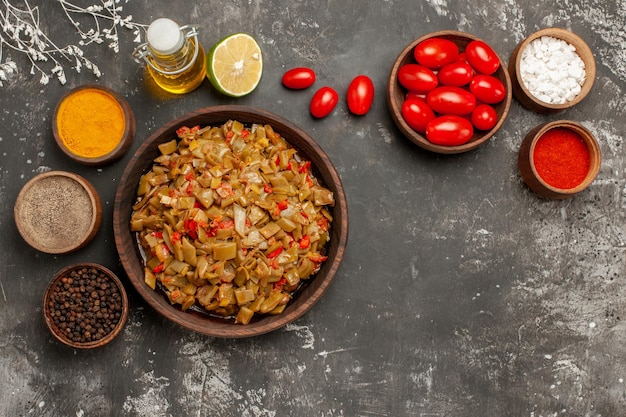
point(449, 92)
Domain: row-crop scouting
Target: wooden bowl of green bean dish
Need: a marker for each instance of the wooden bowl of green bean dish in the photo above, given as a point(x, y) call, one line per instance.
point(231, 221)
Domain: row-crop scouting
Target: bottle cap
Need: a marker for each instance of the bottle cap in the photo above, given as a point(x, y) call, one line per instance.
point(164, 36)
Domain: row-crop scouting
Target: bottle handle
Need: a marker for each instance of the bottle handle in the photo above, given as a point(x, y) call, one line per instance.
point(142, 52)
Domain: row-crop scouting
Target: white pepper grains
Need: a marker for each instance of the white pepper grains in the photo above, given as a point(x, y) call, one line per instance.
point(85, 305)
point(551, 70)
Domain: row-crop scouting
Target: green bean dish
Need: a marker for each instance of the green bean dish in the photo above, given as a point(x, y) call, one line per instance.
point(231, 220)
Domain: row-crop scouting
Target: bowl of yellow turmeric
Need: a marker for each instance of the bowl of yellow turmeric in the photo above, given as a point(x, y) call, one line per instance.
point(93, 125)
point(230, 221)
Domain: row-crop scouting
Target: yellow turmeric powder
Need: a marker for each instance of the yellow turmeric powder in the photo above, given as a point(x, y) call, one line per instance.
point(90, 122)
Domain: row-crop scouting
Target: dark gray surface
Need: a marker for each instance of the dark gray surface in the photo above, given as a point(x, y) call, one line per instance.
point(461, 293)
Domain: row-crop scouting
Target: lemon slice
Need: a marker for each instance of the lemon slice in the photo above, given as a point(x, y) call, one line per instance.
point(235, 65)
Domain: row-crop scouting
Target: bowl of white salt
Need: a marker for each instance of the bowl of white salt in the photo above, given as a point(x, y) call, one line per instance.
point(551, 70)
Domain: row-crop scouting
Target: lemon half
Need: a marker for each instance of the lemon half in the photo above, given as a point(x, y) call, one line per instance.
point(235, 65)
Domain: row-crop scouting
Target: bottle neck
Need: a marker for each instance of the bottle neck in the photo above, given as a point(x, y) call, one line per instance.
point(176, 62)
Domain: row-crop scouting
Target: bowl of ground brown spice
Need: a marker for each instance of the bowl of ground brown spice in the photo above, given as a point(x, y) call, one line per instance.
point(93, 125)
point(85, 306)
point(58, 212)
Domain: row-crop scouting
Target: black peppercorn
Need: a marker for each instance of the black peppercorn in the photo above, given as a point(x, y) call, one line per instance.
point(84, 305)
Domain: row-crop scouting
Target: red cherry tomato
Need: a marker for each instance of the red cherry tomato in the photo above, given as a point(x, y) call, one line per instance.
point(299, 78)
point(417, 78)
point(323, 102)
point(434, 53)
point(360, 95)
point(417, 114)
point(482, 57)
point(413, 95)
point(457, 73)
point(462, 57)
point(449, 130)
point(484, 117)
point(487, 89)
point(451, 100)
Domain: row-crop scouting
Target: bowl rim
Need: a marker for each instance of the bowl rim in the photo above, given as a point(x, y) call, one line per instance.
point(133, 265)
point(394, 88)
point(94, 225)
point(521, 92)
point(96, 343)
point(127, 136)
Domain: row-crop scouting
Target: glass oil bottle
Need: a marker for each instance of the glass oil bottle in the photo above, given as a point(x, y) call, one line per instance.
point(173, 55)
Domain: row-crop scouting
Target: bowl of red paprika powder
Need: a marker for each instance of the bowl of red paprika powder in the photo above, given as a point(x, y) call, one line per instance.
point(559, 159)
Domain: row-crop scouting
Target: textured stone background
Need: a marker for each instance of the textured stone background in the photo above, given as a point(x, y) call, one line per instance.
point(462, 293)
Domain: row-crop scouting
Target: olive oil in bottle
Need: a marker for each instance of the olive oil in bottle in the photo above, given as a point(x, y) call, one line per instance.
point(174, 56)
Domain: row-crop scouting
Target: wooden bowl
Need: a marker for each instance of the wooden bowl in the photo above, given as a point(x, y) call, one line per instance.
point(396, 94)
point(58, 212)
point(92, 107)
point(520, 90)
point(85, 324)
point(132, 260)
point(528, 170)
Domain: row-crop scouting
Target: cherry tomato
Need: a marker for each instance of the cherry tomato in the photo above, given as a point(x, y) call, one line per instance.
point(451, 100)
point(487, 89)
point(323, 102)
point(484, 117)
point(481, 57)
point(449, 130)
point(457, 73)
point(462, 57)
point(417, 114)
point(418, 78)
point(434, 53)
point(360, 95)
point(413, 95)
point(299, 78)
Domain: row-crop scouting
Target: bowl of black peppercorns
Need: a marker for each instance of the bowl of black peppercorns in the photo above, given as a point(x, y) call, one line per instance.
point(85, 306)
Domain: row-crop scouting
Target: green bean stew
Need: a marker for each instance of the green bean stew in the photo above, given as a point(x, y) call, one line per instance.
point(230, 219)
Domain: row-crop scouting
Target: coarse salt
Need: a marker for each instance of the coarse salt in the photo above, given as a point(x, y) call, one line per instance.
point(551, 70)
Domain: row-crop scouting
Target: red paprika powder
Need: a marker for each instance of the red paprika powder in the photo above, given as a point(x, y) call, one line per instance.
point(561, 158)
